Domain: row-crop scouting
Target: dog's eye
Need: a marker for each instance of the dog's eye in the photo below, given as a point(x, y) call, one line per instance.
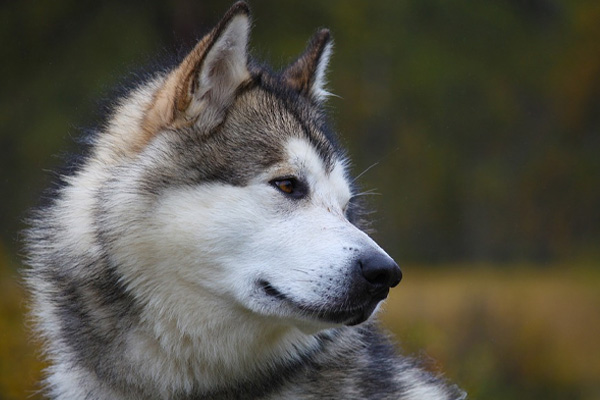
point(290, 186)
point(286, 186)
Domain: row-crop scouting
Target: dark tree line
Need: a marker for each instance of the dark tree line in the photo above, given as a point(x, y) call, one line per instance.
point(483, 117)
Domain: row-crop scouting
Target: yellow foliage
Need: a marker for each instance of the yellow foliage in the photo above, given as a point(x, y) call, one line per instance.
point(504, 331)
point(501, 333)
point(19, 363)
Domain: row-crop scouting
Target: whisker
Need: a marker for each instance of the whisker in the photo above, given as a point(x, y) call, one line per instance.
point(300, 270)
point(371, 192)
point(365, 171)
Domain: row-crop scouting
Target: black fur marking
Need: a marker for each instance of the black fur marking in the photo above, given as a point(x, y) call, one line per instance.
point(309, 115)
point(377, 375)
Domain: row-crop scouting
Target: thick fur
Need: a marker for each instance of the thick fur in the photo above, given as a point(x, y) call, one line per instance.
point(176, 264)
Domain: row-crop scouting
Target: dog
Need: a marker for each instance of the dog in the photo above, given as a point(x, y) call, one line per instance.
point(210, 246)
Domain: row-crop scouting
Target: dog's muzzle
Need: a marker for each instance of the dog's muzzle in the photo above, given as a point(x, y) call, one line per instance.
point(371, 275)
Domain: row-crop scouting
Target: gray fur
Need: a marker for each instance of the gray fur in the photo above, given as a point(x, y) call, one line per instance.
point(96, 312)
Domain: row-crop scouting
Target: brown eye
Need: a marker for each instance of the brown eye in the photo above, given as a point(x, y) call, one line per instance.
point(286, 186)
point(290, 187)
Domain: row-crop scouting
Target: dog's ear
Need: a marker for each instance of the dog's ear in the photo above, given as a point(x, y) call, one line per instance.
point(201, 88)
point(307, 73)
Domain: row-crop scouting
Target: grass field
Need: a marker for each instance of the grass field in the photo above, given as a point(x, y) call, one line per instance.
point(502, 333)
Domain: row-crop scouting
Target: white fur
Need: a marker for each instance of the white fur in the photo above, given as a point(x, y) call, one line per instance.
point(195, 260)
point(320, 79)
point(224, 68)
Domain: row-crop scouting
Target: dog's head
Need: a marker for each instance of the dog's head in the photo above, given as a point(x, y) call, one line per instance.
point(235, 190)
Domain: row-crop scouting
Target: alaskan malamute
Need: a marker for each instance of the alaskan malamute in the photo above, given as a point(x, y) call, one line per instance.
point(210, 245)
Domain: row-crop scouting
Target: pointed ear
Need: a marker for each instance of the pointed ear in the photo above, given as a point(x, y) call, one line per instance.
point(201, 88)
point(307, 73)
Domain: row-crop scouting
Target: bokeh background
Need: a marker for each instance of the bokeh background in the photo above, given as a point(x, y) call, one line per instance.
point(478, 123)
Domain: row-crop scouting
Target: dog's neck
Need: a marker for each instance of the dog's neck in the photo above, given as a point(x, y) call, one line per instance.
point(236, 347)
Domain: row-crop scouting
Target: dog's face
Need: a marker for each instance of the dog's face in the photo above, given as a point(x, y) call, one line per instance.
point(248, 201)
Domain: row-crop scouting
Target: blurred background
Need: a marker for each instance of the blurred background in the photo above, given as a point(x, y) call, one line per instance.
point(478, 123)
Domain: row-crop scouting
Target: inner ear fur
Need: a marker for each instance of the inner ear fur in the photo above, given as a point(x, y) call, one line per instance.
point(201, 88)
point(307, 74)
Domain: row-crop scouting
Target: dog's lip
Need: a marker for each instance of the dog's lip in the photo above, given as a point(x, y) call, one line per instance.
point(270, 290)
point(347, 316)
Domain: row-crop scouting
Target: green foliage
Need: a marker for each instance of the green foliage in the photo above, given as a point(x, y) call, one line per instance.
point(482, 116)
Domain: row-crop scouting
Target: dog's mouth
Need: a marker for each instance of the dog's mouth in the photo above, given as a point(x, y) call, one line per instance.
point(347, 314)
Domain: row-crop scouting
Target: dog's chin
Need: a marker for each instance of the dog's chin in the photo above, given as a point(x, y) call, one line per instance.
point(363, 315)
point(354, 312)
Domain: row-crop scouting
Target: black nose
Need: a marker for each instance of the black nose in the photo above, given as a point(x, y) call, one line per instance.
point(380, 271)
